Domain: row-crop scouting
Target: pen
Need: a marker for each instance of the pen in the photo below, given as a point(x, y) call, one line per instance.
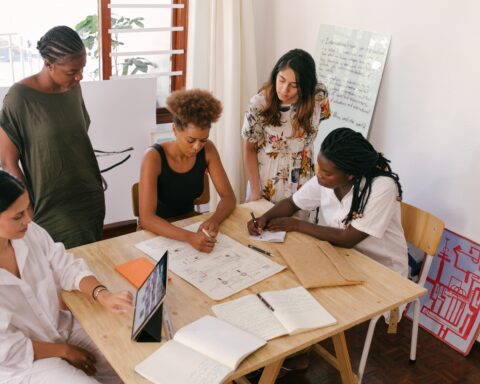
point(259, 250)
point(255, 222)
point(207, 234)
point(265, 302)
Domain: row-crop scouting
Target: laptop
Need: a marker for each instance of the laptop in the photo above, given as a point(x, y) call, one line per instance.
point(147, 317)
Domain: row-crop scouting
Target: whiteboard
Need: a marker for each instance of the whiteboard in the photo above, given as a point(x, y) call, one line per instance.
point(350, 63)
point(123, 115)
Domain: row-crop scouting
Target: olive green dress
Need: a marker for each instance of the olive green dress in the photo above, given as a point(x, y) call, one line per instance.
point(57, 158)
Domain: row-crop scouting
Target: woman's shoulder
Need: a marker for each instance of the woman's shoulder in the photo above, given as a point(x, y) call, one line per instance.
point(258, 100)
point(209, 148)
point(16, 92)
point(152, 156)
point(384, 185)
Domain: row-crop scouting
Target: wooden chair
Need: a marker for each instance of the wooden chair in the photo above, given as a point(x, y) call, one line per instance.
point(204, 198)
point(424, 231)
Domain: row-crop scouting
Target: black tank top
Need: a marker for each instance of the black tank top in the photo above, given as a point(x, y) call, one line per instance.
point(177, 191)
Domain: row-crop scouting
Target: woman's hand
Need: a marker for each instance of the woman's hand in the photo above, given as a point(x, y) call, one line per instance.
point(211, 226)
point(257, 229)
point(117, 303)
point(80, 358)
point(201, 242)
point(283, 224)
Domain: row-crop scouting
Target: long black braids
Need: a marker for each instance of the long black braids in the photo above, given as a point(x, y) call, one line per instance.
point(60, 42)
point(354, 155)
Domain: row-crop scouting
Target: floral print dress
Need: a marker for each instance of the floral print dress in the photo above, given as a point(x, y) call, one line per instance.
point(285, 161)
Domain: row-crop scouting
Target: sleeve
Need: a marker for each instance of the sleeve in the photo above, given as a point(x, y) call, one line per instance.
point(67, 270)
point(252, 129)
point(10, 120)
point(379, 209)
point(16, 350)
point(309, 196)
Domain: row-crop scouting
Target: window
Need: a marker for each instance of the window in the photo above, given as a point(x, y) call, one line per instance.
point(131, 38)
point(146, 39)
point(23, 22)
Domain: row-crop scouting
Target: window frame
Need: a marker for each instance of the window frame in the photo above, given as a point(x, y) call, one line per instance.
point(179, 41)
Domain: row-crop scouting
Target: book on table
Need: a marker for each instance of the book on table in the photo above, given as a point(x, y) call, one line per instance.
point(202, 352)
point(275, 313)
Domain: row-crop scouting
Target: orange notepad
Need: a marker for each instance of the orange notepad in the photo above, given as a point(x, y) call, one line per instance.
point(136, 270)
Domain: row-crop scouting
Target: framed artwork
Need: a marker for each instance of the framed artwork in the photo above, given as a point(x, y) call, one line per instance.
point(450, 310)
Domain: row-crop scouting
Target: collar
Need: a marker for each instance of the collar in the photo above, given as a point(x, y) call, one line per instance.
point(21, 251)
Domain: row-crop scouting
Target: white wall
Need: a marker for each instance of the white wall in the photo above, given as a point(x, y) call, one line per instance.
point(425, 114)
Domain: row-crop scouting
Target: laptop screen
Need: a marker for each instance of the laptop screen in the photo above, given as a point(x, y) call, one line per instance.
point(150, 295)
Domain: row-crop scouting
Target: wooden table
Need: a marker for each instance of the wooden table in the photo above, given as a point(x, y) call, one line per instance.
point(351, 305)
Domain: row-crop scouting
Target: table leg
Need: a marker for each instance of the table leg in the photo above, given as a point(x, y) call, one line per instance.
point(270, 372)
point(343, 359)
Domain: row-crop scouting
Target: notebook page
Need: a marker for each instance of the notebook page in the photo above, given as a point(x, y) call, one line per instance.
point(272, 237)
point(251, 315)
point(176, 363)
point(298, 310)
point(219, 340)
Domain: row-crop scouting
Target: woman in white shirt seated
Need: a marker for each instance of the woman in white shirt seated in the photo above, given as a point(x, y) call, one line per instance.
point(358, 196)
point(39, 342)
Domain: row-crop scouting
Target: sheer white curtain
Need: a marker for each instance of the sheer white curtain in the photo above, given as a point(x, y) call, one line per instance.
point(221, 58)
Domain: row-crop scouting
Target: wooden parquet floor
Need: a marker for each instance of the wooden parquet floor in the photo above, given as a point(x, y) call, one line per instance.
point(388, 362)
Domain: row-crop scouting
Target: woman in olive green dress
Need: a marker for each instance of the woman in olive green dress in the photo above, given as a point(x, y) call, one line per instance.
point(43, 125)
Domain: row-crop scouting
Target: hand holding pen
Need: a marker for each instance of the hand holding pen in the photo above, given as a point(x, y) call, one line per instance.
point(256, 225)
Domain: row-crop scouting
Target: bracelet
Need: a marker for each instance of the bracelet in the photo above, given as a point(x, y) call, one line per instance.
point(96, 291)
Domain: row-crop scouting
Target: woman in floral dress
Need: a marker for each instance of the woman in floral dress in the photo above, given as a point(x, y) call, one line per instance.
point(280, 128)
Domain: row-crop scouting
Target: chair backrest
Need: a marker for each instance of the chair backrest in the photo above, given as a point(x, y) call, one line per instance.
point(421, 228)
point(135, 199)
point(204, 198)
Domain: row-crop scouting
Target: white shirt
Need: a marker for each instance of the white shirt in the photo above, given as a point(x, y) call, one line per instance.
point(381, 219)
point(29, 307)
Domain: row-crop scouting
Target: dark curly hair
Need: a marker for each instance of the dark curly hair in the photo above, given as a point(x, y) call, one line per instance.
point(195, 106)
point(60, 42)
point(354, 155)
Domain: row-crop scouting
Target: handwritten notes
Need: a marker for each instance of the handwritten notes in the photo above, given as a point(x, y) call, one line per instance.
point(350, 63)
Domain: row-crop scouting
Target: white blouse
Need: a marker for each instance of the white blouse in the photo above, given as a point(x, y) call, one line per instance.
point(381, 219)
point(29, 307)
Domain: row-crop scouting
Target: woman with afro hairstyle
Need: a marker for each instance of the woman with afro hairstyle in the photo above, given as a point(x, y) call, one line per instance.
point(172, 173)
point(44, 125)
point(359, 197)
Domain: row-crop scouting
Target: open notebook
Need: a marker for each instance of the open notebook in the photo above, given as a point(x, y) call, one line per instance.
point(203, 352)
point(275, 313)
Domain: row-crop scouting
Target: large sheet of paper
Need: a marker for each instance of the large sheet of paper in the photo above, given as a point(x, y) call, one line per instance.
point(350, 63)
point(228, 269)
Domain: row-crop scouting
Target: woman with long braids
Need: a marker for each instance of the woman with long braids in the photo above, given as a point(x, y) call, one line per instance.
point(44, 125)
point(280, 127)
point(358, 196)
point(39, 341)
